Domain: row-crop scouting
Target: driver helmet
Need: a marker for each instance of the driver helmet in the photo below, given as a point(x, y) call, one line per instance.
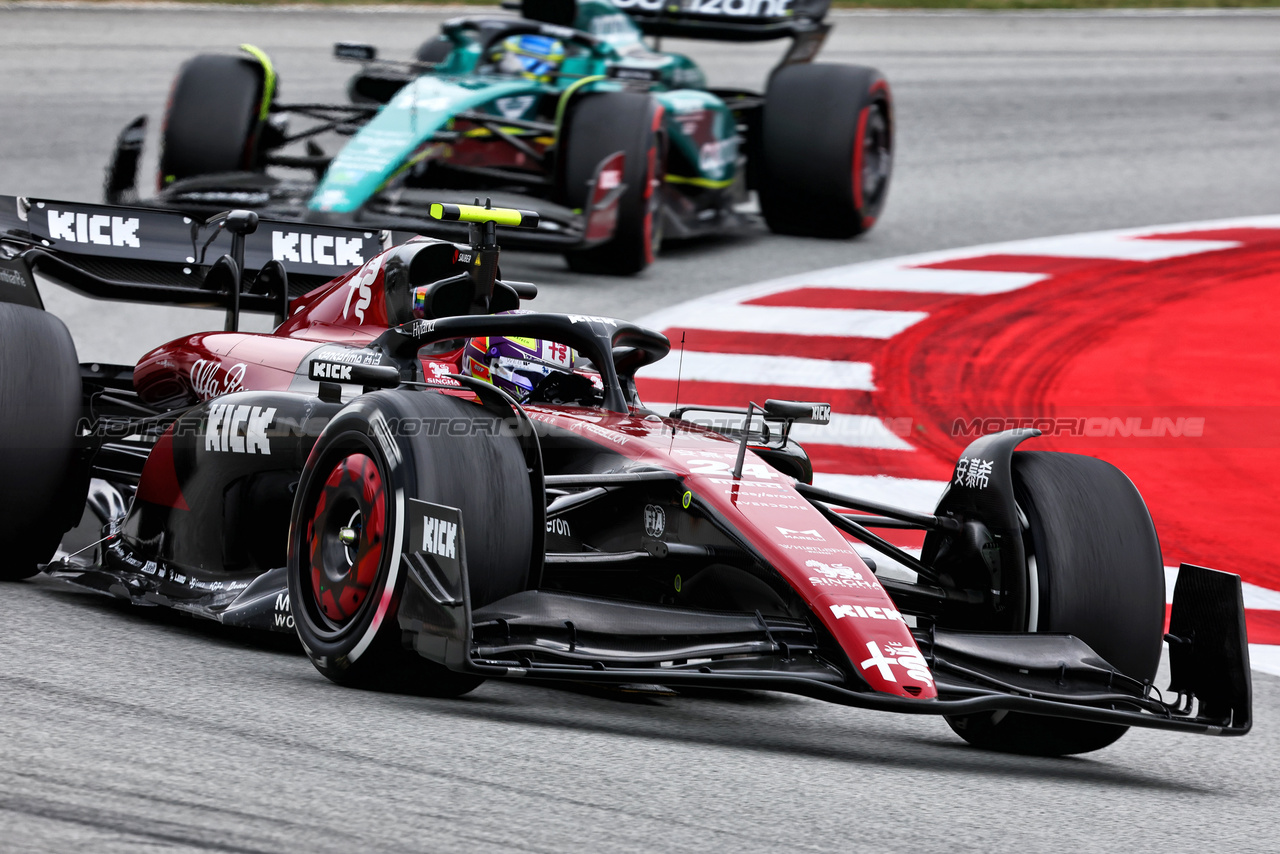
point(516, 365)
point(534, 57)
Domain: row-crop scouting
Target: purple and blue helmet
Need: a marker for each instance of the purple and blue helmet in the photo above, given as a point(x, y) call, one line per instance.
point(518, 366)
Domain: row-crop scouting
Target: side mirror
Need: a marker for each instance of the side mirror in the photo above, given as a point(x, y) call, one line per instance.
point(355, 51)
point(799, 411)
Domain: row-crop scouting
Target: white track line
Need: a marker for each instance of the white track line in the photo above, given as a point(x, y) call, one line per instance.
point(1117, 247)
point(762, 370)
point(892, 276)
point(844, 322)
point(1265, 658)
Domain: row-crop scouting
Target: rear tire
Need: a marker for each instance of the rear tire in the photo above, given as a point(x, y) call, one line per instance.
point(827, 150)
point(42, 485)
point(1100, 577)
point(214, 119)
point(350, 635)
point(598, 125)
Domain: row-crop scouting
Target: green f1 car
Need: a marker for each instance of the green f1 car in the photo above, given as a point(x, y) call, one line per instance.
point(564, 109)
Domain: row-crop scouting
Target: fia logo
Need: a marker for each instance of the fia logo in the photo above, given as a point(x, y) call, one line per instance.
point(655, 520)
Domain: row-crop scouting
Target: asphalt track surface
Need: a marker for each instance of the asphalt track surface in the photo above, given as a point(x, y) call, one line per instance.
point(127, 730)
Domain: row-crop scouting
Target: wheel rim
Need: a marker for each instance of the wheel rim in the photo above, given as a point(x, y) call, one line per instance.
point(345, 538)
point(876, 157)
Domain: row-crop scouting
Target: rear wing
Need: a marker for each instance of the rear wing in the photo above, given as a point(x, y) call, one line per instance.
point(720, 20)
point(233, 260)
point(727, 20)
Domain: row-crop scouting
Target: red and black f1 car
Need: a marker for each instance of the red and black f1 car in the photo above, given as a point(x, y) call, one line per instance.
point(424, 530)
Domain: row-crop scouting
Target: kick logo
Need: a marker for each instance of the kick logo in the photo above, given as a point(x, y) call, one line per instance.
point(98, 229)
point(439, 537)
point(866, 613)
point(238, 429)
point(303, 248)
point(330, 371)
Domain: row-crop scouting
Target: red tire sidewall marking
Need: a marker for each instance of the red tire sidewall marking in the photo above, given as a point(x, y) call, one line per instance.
point(859, 146)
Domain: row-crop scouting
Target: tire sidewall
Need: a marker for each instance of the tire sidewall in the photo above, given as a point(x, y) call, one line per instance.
point(637, 236)
point(814, 122)
point(1054, 549)
point(351, 430)
point(496, 506)
point(45, 482)
point(212, 122)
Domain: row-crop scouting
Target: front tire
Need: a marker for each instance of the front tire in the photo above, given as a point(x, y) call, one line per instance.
point(215, 117)
point(598, 125)
point(826, 150)
point(345, 574)
point(42, 484)
point(1092, 544)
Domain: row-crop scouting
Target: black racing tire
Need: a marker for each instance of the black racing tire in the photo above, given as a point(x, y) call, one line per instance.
point(1092, 544)
point(600, 124)
point(42, 485)
point(354, 637)
point(826, 150)
point(214, 120)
